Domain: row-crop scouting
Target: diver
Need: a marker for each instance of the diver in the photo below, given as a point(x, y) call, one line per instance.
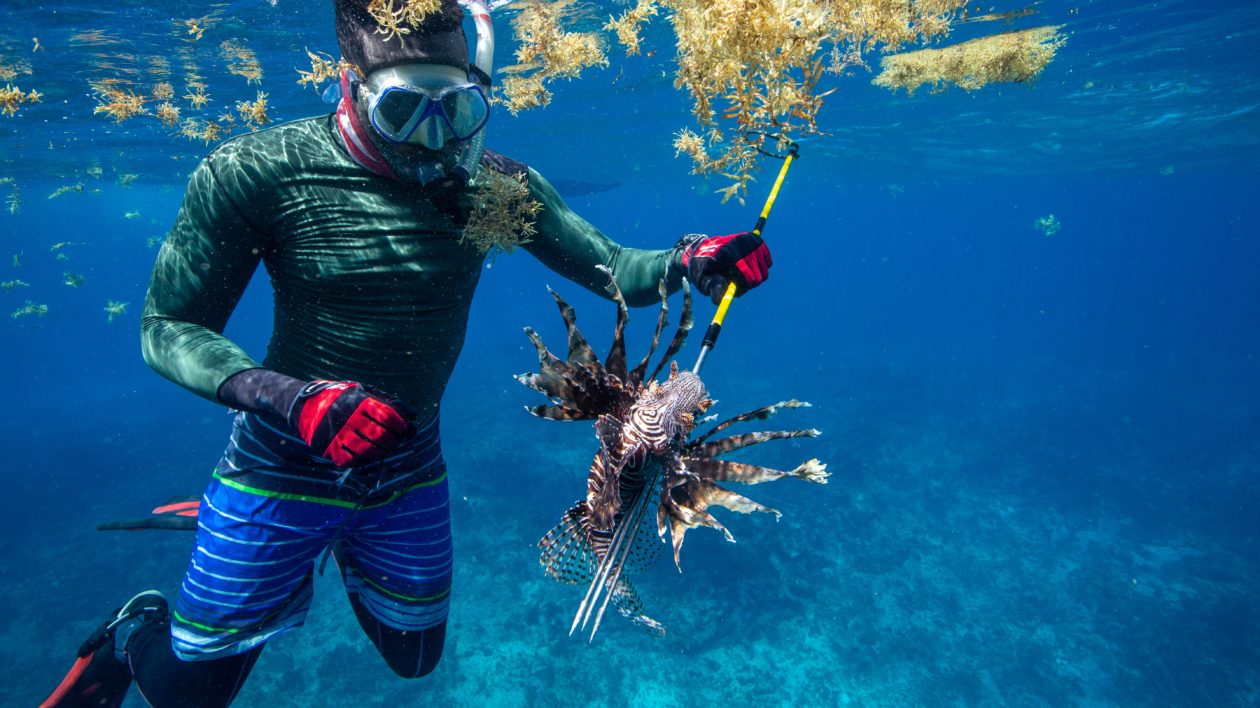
point(334, 451)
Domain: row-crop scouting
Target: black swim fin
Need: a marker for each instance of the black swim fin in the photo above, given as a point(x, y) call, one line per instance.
point(176, 514)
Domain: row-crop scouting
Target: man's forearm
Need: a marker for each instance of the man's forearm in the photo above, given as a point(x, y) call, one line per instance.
point(193, 356)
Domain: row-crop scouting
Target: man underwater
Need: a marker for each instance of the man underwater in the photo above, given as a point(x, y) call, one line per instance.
point(357, 217)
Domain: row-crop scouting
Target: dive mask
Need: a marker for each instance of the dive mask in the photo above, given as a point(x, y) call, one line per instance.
point(425, 104)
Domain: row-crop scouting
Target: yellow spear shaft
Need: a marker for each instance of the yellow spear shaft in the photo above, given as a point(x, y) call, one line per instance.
point(715, 327)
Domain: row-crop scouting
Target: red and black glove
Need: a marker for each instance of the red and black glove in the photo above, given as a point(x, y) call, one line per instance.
point(714, 261)
point(349, 423)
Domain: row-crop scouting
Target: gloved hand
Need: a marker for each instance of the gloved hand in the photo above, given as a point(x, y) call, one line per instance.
point(347, 422)
point(714, 261)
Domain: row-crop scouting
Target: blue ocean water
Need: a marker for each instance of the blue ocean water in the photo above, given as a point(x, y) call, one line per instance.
point(1045, 448)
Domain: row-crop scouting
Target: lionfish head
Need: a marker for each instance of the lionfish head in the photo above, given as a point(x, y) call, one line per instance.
point(677, 398)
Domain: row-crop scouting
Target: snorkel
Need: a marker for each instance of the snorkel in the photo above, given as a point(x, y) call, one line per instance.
point(482, 69)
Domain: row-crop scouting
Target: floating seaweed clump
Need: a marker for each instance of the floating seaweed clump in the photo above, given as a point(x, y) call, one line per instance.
point(11, 97)
point(547, 52)
point(1010, 57)
point(162, 91)
point(117, 103)
point(197, 26)
point(65, 189)
point(398, 18)
point(323, 69)
point(1048, 225)
point(9, 70)
point(254, 112)
point(28, 309)
point(197, 96)
point(207, 131)
point(13, 285)
point(168, 113)
point(627, 26)
point(503, 213)
point(114, 308)
point(73, 280)
point(14, 201)
point(755, 66)
point(241, 61)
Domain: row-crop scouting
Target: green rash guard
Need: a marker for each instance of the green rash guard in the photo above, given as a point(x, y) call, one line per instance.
point(371, 283)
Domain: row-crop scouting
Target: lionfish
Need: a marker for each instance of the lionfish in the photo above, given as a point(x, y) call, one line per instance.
point(643, 428)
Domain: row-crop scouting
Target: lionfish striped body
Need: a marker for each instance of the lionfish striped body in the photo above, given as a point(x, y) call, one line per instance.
point(644, 456)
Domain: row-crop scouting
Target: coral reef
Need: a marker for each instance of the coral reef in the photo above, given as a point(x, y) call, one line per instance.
point(1011, 57)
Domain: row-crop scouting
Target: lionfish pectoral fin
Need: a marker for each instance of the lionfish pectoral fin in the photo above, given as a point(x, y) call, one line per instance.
point(721, 446)
point(759, 414)
point(557, 413)
point(812, 471)
point(566, 553)
point(728, 471)
point(687, 507)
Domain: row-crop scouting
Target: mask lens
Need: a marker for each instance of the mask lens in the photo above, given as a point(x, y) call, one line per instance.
point(465, 110)
point(395, 109)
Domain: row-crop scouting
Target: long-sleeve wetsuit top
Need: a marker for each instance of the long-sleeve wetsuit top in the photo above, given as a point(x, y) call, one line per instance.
point(371, 281)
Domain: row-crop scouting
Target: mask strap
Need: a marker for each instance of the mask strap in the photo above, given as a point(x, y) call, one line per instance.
point(355, 137)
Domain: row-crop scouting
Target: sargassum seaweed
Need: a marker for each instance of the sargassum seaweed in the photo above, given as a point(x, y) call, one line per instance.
point(1010, 57)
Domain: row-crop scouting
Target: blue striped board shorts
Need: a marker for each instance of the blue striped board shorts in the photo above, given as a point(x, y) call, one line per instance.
point(273, 509)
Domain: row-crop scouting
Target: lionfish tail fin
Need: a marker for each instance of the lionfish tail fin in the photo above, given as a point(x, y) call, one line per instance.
point(566, 554)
